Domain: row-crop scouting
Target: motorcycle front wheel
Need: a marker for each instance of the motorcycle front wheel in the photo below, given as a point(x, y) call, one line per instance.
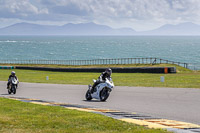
point(88, 95)
point(104, 94)
point(9, 92)
point(14, 90)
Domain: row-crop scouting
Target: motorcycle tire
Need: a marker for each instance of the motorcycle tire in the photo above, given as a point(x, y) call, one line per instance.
point(104, 94)
point(9, 92)
point(88, 96)
point(14, 90)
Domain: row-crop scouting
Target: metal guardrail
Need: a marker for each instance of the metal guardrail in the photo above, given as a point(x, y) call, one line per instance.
point(97, 61)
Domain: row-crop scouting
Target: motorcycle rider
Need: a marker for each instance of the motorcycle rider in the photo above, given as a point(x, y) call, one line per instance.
point(9, 79)
point(102, 78)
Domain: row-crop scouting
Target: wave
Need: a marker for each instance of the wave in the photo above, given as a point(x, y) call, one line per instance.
point(13, 41)
point(9, 41)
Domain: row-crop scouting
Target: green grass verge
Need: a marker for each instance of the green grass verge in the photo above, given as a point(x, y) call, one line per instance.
point(183, 79)
point(21, 117)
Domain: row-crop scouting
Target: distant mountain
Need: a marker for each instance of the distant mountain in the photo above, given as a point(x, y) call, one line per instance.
point(28, 29)
point(179, 29)
point(67, 29)
point(96, 29)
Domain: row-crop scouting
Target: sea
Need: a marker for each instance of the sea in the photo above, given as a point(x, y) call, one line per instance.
point(174, 48)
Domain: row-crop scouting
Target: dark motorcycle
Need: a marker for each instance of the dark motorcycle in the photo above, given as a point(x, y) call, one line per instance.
point(12, 86)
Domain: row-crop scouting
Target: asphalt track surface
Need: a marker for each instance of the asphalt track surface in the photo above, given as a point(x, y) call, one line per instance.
point(182, 104)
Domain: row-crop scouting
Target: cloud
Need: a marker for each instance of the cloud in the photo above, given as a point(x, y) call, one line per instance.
point(111, 12)
point(70, 9)
point(19, 9)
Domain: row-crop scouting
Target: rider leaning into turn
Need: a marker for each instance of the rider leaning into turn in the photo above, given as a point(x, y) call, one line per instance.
point(102, 78)
point(9, 79)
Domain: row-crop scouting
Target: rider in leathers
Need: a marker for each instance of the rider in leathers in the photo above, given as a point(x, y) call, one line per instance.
point(102, 78)
point(9, 79)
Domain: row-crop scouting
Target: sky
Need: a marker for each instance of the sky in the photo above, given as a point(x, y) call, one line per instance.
point(139, 15)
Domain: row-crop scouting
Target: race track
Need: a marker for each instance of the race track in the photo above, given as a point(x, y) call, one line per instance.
point(180, 104)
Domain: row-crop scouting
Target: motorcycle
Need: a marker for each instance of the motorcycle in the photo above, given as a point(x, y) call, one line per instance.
point(101, 91)
point(12, 86)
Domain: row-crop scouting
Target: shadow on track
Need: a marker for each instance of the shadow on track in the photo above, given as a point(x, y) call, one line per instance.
point(5, 94)
point(93, 101)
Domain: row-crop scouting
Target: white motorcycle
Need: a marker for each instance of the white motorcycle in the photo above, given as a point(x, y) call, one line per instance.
point(12, 86)
point(101, 91)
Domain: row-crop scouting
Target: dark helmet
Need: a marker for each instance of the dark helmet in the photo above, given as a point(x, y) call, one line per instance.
point(13, 73)
point(108, 71)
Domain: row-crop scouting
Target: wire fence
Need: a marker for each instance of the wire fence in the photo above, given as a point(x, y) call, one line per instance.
point(116, 61)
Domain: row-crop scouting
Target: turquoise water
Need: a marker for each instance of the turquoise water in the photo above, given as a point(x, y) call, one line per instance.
point(179, 48)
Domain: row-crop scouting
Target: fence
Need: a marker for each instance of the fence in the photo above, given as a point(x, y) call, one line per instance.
point(97, 61)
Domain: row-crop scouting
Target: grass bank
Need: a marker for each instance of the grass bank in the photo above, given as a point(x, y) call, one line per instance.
point(21, 117)
point(184, 78)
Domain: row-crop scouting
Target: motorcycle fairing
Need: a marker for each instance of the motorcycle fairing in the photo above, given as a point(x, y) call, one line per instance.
point(98, 89)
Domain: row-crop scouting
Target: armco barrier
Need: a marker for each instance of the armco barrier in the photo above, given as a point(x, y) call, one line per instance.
point(6, 67)
point(115, 70)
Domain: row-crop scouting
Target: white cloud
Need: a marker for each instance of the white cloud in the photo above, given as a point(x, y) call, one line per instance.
point(116, 13)
point(17, 8)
